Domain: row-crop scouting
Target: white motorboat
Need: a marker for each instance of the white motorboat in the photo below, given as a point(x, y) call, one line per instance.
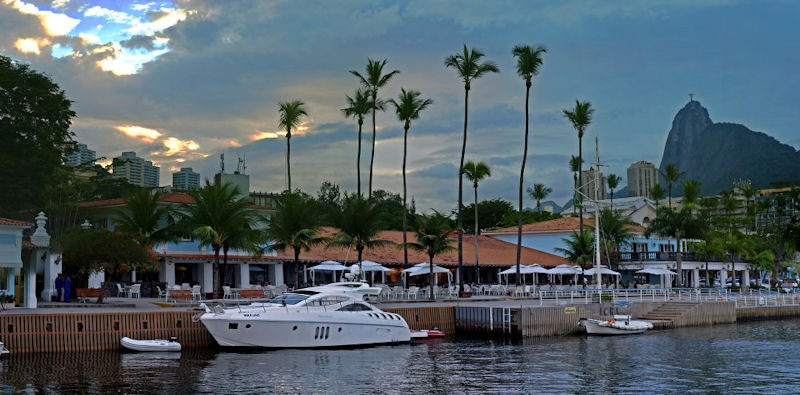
point(619, 325)
point(327, 316)
point(158, 345)
point(3, 349)
point(348, 287)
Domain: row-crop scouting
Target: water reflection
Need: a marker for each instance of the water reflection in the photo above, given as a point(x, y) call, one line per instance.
point(754, 357)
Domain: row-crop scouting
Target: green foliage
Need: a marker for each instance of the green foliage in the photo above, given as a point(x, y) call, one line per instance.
point(102, 250)
point(491, 214)
point(145, 219)
point(539, 192)
point(657, 193)
point(579, 247)
point(359, 223)
point(291, 113)
point(35, 117)
point(678, 224)
point(295, 226)
point(580, 117)
point(475, 172)
point(433, 238)
point(468, 65)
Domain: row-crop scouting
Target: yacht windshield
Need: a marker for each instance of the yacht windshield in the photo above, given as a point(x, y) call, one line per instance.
point(289, 299)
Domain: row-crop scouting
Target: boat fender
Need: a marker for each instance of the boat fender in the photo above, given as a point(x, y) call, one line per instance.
point(611, 321)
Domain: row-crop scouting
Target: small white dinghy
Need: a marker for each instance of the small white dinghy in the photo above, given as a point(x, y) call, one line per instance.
point(158, 345)
point(3, 350)
point(619, 325)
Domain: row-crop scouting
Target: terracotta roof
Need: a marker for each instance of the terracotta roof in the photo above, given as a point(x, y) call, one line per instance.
point(563, 224)
point(172, 197)
point(492, 252)
point(14, 222)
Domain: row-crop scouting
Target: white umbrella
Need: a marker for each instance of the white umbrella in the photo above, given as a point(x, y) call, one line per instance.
point(369, 266)
point(565, 269)
point(327, 266)
point(603, 270)
point(657, 271)
point(424, 268)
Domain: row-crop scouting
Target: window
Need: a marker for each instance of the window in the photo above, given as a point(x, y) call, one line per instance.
point(355, 307)
point(288, 299)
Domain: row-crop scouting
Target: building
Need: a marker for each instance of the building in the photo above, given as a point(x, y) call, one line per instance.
point(185, 179)
point(82, 157)
point(638, 209)
point(238, 180)
point(136, 170)
point(588, 186)
point(642, 176)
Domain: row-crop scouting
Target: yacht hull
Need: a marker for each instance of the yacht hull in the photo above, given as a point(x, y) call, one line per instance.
point(596, 327)
point(294, 329)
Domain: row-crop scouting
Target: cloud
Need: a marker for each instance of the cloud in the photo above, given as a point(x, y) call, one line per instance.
point(119, 17)
point(140, 133)
point(162, 19)
point(54, 24)
point(89, 38)
point(177, 146)
point(31, 45)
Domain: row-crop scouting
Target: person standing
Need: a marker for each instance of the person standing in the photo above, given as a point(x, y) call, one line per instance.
point(59, 286)
point(67, 288)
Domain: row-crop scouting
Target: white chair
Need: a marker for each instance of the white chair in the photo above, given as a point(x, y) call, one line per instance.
point(413, 290)
point(136, 289)
point(161, 293)
point(120, 291)
point(196, 293)
point(185, 286)
point(226, 292)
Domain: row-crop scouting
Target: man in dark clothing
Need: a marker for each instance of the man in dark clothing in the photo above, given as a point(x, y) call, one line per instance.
point(67, 288)
point(59, 285)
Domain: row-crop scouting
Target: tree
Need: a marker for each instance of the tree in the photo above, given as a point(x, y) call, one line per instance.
point(679, 225)
point(615, 229)
point(359, 224)
point(657, 193)
point(529, 59)
point(613, 181)
point(580, 117)
point(691, 192)
point(736, 245)
point(671, 175)
point(295, 226)
point(476, 172)
point(492, 213)
point(145, 219)
point(407, 107)
point(217, 214)
point(358, 106)
point(372, 81)
point(329, 198)
point(433, 237)
point(579, 248)
point(35, 117)
point(469, 67)
point(291, 112)
point(575, 166)
point(709, 249)
point(539, 192)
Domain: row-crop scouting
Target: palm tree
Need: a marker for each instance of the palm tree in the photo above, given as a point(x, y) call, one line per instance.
point(657, 193)
point(528, 62)
point(359, 223)
point(612, 181)
point(373, 80)
point(748, 192)
point(575, 166)
point(539, 192)
point(729, 205)
point(691, 192)
point(358, 106)
point(706, 250)
point(580, 117)
point(615, 229)
point(433, 237)
point(217, 215)
point(469, 67)
point(679, 225)
point(476, 172)
point(144, 218)
point(290, 112)
point(579, 248)
point(671, 175)
point(408, 106)
point(296, 226)
point(737, 245)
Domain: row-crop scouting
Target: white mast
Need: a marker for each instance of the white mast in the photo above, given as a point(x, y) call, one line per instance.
point(597, 181)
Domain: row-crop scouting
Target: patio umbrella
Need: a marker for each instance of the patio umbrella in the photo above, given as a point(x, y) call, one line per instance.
point(372, 267)
point(424, 268)
point(327, 266)
point(658, 272)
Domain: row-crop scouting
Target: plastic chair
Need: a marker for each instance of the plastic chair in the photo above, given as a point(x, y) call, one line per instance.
point(226, 292)
point(161, 293)
point(196, 293)
point(136, 289)
point(120, 291)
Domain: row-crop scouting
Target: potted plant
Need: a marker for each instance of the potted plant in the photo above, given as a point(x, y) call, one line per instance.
point(7, 302)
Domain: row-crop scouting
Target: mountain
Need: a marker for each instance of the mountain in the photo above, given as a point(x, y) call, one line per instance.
point(717, 154)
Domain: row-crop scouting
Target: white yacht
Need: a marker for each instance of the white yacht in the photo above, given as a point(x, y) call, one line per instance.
point(326, 316)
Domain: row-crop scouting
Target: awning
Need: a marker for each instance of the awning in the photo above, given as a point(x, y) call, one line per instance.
point(656, 271)
point(329, 266)
point(525, 269)
point(603, 270)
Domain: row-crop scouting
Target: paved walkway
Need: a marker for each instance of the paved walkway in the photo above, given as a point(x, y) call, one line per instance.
point(110, 305)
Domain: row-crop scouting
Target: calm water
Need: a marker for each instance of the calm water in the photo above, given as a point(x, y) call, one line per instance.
point(752, 357)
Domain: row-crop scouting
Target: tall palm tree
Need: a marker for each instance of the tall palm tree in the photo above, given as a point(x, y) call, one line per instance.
point(529, 59)
point(407, 107)
point(145, 219)
point(359, 224)
point(358, 106)
point(691, 193)
point(290, 114)
point(671, 175)
point(615, 228)
point(217, 215)
point(295, 226)
point(476, 172)
point(433, 237)
point(737, 245)
point(679, 225)
point(729, 205)
point(575, 166)
point(579, 248)
point(657, 193)
point(580, 117)
point(613, 182)
point(469, 67)
point(539, 192)
point(706, 250)
point(373, 80)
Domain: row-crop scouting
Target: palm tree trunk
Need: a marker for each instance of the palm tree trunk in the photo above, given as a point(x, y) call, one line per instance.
point(574, 192)
point(669, 194)
point(296, 267)
point(224, 265)
point(461, 196)
point(521, 178)
point(217, 282)
point(372, 154)
point(612, 201)
point(360, 251)
point(477, 269)
point(288, 157)
point(679, 262)
point(708, 277)
point(580, 181)
point(433, 296)
point(358, 159)
point(405, 192)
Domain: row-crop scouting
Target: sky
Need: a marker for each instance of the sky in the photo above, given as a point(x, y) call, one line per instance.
point(182, 81)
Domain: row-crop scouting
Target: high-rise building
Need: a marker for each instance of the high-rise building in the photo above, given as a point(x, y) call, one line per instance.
point(185, 179)
point(587, 188)
point(83, 156)
point(136, 170)
point(642, 176)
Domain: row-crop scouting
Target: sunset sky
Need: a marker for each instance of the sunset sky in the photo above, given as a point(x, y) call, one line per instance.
point(180, 82)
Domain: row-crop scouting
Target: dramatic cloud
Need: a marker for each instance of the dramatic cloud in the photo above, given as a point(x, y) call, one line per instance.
point(139, 133)
point(31, 45)
point(176, 146)
point(54, 24)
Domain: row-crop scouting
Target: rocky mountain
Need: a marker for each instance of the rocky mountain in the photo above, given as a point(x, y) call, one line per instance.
point(717, 154)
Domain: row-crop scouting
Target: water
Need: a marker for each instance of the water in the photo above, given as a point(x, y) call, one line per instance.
point(747, 358)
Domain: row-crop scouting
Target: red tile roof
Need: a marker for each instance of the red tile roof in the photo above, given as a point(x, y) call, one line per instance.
point(563, 224)
point(14, 222)
point(172, 197)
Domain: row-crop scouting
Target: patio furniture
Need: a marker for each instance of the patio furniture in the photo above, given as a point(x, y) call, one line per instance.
point(120, 291)
point(227, 293)
point(161, 293)
point(196, 295)
point(136, 289)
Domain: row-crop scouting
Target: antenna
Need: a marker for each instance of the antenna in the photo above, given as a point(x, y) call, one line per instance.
point(691, 97)
point(221, 163)
point(598, 278)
